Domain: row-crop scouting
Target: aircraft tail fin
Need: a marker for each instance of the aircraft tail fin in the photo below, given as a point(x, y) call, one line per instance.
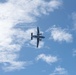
point(31, 36)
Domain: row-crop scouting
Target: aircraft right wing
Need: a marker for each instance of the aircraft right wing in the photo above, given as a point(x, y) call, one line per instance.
point(37, 30)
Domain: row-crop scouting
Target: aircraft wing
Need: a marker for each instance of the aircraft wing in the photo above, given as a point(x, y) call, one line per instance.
point(37, 42)
point(37, 30)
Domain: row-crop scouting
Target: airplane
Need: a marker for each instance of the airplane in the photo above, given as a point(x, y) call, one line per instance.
point(39, 36)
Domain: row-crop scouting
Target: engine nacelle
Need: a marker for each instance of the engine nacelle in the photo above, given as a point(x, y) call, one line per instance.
point(40, 34)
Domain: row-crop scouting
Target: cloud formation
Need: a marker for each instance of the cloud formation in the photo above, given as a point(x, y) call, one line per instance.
point(9, 51)
point(47, 58)
point(59, 71)
point(59, 34)
point(13, 12)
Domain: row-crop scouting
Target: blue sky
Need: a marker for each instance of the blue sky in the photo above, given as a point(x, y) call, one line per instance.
point(56, 54)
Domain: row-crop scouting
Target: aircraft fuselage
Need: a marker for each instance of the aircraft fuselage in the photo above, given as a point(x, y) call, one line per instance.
point(38, 36)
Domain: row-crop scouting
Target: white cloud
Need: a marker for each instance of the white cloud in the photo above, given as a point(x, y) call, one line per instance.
point(58, 34)
point(47, 58)
point(59, 71)
point(13, 12)
point(9, 51)
point(14, 66)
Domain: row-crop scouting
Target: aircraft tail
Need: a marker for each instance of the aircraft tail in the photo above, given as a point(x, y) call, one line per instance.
point(31, 36)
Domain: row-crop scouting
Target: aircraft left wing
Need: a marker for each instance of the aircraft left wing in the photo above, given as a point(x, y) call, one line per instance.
point(37, 42)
